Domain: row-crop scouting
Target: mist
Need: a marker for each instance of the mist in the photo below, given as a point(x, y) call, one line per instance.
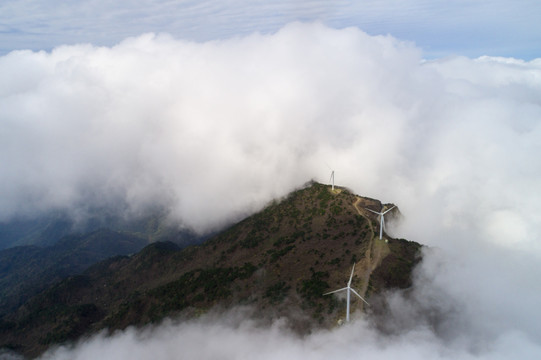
point(234, 336)
point(213, 131)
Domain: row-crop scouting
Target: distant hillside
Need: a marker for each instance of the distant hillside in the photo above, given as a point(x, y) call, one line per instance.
point(280, 260)
point(47, 229)
point(36, 252)
point(27, 270)
point(41, 231)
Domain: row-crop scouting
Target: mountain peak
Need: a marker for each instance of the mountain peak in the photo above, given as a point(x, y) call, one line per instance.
point(280, 260)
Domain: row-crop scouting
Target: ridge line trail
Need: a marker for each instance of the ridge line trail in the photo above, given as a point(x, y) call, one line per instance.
point(369, 264)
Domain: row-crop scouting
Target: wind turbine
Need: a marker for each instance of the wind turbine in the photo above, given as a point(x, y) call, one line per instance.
point(348, 289)
point(381, 219)
point(331, 179)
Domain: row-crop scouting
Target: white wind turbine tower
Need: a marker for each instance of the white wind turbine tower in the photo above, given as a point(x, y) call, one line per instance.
point(348, 289)
point(331, 179)
point(381, 219)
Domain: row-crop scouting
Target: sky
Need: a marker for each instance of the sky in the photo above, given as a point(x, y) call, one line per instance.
point(214, 126)
point(441, 28)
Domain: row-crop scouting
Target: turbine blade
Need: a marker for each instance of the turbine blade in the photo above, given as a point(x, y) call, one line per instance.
point(335, 291)
point(360, 297)
point(388, 210)
point(373, 211)
point(351, 276)
point(383, 223)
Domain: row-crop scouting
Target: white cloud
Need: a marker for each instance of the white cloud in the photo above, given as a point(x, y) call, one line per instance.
point(243, 339)
point(211, 128)
point(215, 130)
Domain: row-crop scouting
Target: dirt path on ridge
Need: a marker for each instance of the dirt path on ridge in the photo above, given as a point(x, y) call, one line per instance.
point(372, 257)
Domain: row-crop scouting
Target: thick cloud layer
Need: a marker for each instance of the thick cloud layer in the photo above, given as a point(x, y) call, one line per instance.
point(215, 130)
point(237, 339)
point(210, 129)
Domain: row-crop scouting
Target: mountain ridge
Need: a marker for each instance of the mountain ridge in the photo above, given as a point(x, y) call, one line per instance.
point(279, 260)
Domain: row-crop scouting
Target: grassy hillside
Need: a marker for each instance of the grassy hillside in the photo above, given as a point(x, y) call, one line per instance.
point(280, 260)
